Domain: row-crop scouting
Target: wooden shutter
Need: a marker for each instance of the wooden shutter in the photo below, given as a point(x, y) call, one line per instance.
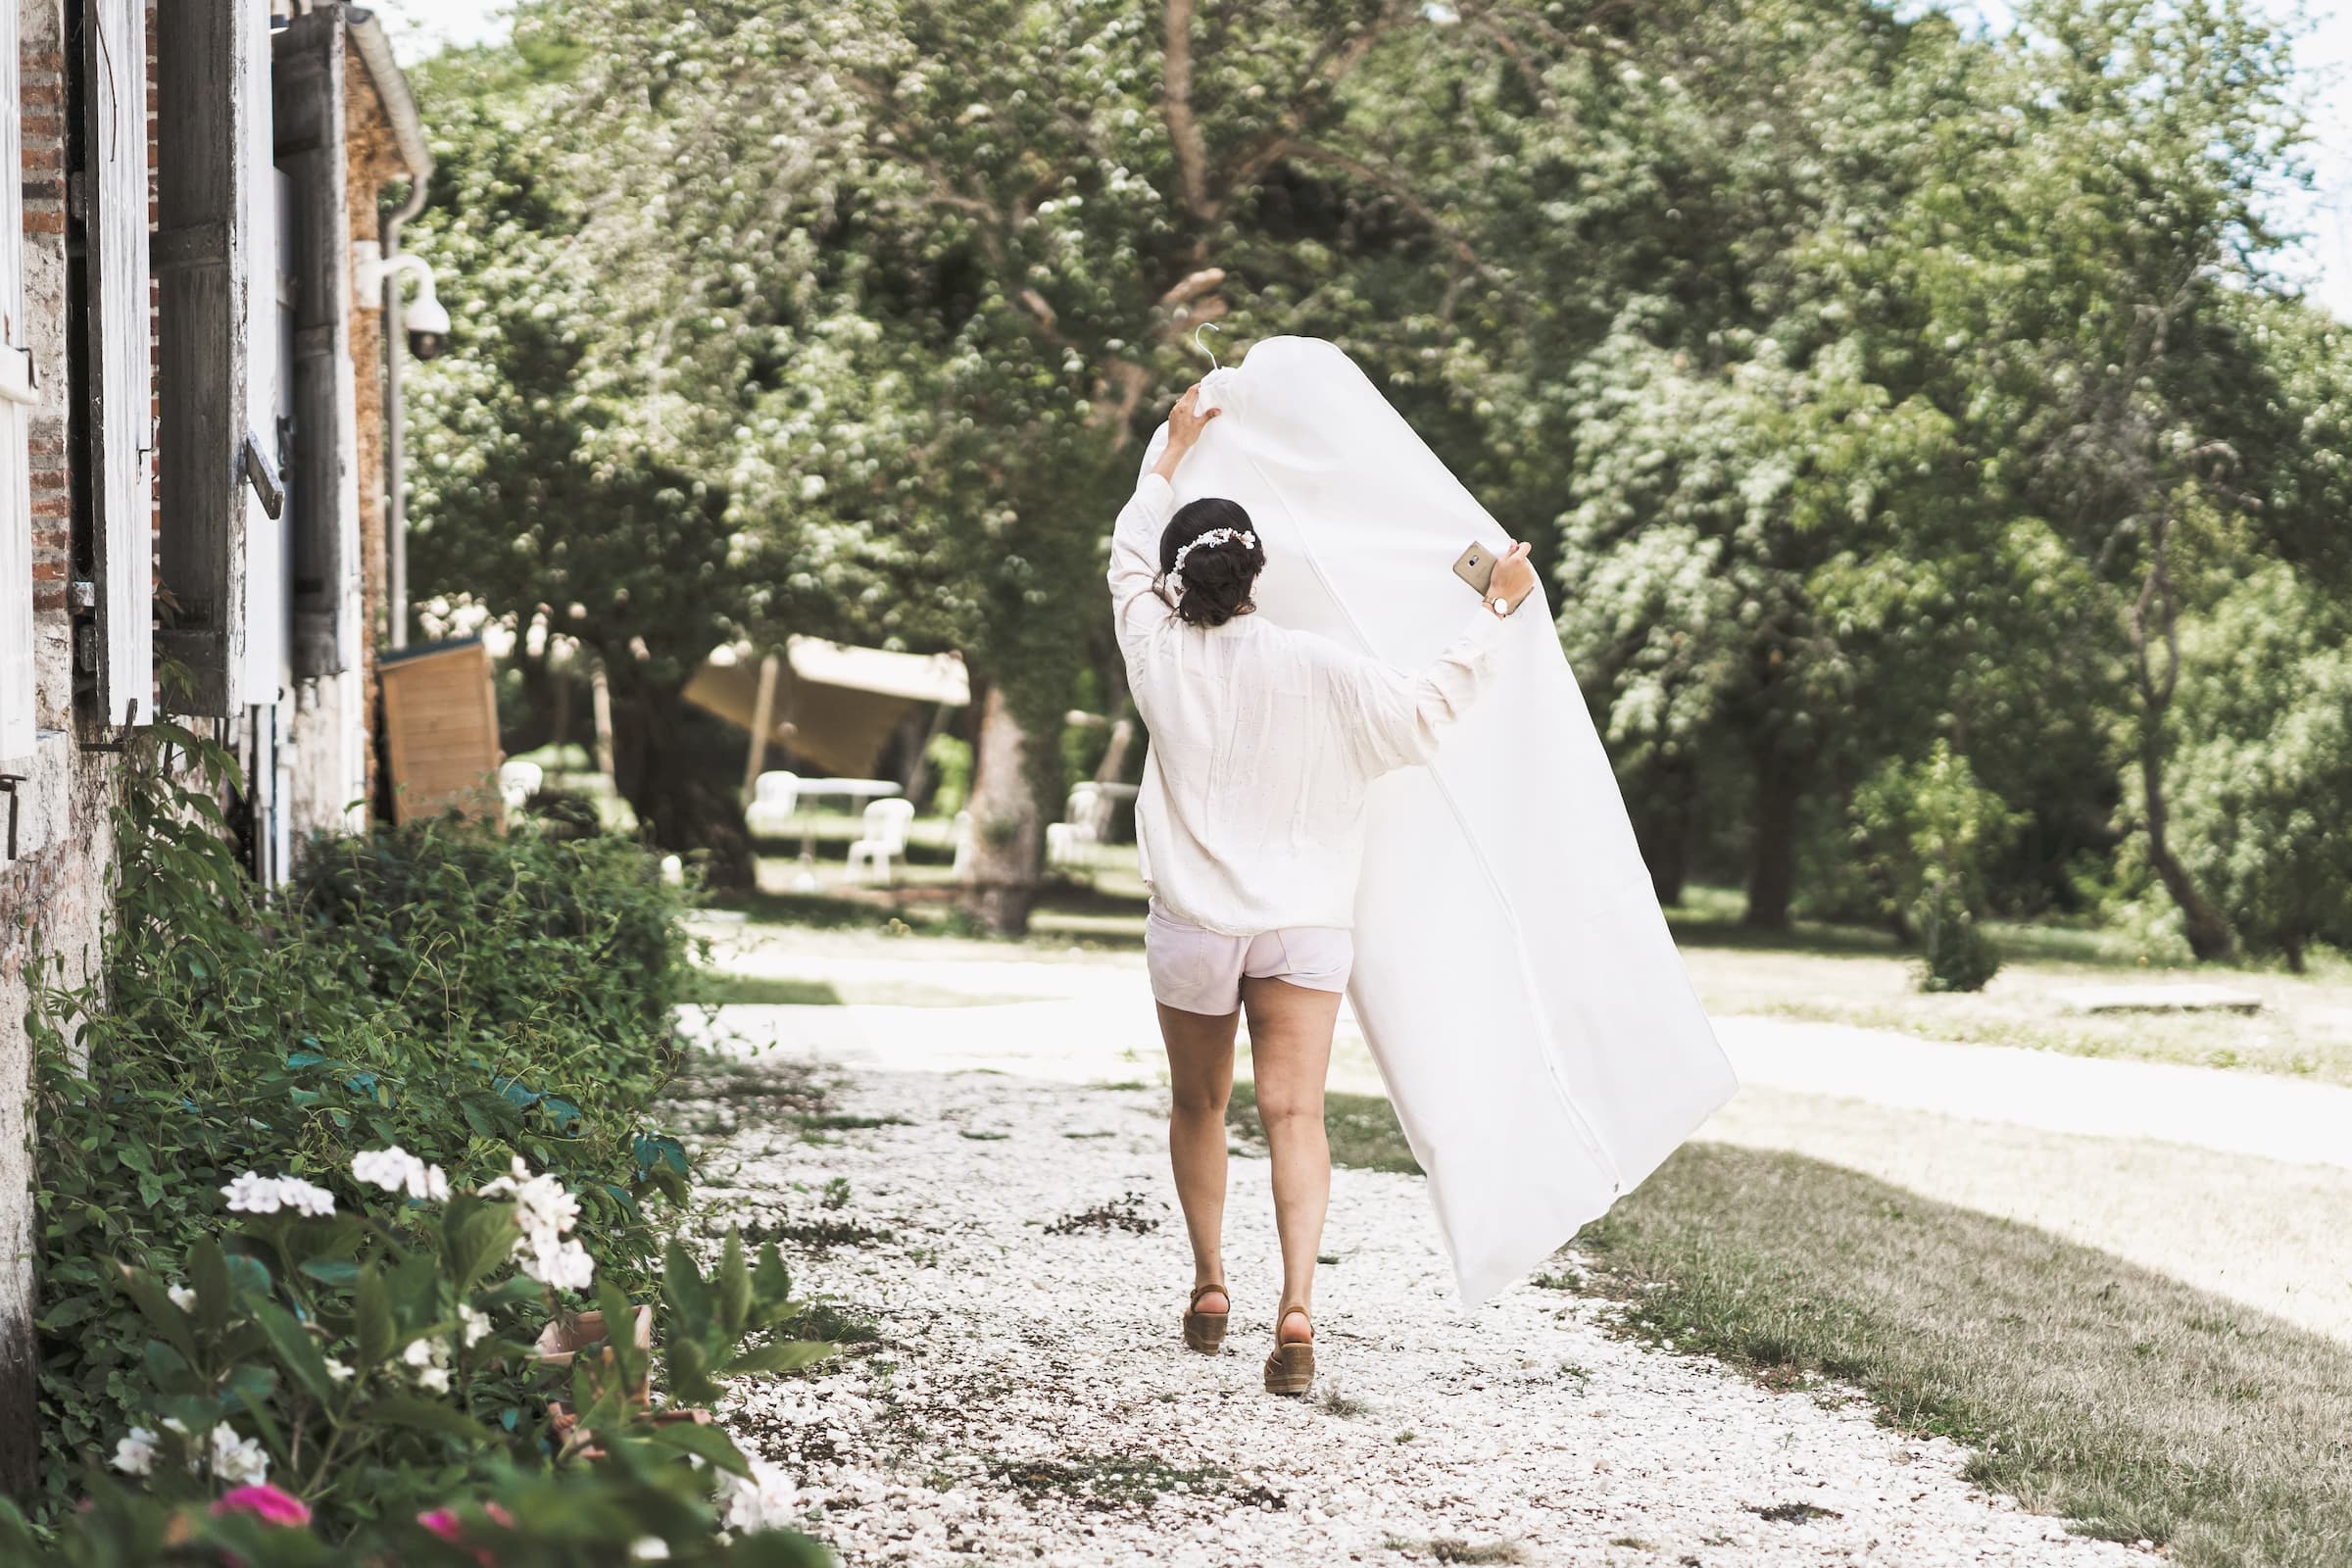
point(308, 83)
point(211, 255)
point(122, 419)
point(15, 382)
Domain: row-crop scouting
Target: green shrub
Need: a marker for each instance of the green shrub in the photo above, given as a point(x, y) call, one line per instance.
point(361, 1386)
point(561, 955)
point(469, 998)
point(2259, 778)
point(1926, 832)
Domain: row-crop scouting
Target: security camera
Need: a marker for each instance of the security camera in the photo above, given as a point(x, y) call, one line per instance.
point(428, 321)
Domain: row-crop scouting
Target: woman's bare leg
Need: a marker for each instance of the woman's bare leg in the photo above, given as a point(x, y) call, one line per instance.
point(1201, 1078)
point(1290, 1052)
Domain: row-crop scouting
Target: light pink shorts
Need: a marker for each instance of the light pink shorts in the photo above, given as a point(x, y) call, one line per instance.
point(1196, 970)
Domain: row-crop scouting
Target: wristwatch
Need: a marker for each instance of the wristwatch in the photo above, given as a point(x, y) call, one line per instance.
point(1502, 607)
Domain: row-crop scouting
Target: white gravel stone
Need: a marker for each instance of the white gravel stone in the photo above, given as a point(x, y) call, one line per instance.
point(1030, 1399)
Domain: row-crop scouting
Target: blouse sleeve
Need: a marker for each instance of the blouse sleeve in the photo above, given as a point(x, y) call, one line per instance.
point(1399, 716)
point(1136, 606)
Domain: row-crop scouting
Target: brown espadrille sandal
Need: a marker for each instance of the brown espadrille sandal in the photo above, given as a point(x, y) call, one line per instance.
point(1205, 1330)
point(1290, 1369)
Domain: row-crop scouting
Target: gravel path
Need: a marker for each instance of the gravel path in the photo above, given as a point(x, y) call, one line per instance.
point(1028, 1400)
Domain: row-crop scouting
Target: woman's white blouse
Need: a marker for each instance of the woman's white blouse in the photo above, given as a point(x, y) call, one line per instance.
point(1264, 743)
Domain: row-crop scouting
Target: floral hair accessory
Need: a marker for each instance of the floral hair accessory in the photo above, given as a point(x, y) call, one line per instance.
point(1212, 538)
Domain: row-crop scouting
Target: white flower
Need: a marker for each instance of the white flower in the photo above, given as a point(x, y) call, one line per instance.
point(300, 1195)
point(255, 1193)
point(182, 1297)
point(241, 1461)
point(478, 1325)
point(648, 1548)
point(541, 1202)
point(430, 1358)
point(340, 1371)
point(566, 1266)
point(769, 1500)
point(252, 1193)
point(395, 1170)
point(134, 1455)
point(545, 1211)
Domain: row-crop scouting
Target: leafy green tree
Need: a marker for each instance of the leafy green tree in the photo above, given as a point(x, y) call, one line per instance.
point(540, 493)
point(2262, 764)
point(2100, 212)
point(946, 257)
point(1927, 831)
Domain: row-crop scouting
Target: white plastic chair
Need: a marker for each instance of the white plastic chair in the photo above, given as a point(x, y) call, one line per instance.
point(519, 781)
point(886, 826)
point(1070, 843)
point(775, 796)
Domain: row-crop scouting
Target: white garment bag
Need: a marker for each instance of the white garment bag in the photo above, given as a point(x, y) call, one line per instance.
point(1514, 974)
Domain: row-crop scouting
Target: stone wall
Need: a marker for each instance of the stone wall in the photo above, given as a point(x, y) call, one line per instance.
point(53, 904)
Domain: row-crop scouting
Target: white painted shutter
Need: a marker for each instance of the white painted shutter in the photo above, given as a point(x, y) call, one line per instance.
point(16, 466)
point(321, 479)
point(122, 423)
point(212, 260)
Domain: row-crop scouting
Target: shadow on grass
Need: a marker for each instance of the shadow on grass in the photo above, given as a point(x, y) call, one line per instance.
point(2135, 1406)
point(721, 988)
point(1362, 1130)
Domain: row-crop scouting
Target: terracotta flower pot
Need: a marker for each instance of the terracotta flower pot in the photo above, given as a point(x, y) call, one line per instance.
point(562, 1340)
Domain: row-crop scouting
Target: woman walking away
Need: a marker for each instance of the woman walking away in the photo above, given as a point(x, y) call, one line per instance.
point(1264, 741)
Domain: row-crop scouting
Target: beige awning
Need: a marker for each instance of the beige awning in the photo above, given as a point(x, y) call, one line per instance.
point(836, 706)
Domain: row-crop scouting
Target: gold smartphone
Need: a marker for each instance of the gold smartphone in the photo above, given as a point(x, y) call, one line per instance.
point(1476, 566)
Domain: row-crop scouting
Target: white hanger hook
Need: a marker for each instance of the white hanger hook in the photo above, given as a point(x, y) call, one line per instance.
point(1207, 326)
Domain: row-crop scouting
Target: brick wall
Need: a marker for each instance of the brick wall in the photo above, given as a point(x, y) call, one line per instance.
point(65, 846)
point(375, 163)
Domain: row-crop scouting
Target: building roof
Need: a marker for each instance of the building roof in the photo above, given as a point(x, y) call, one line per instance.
point(916, 677)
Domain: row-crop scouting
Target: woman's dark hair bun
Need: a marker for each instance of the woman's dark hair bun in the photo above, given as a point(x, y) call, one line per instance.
point(1218, 577)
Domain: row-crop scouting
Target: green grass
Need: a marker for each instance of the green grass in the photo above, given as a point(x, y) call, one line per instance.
point(719, 988)
point(2131, 1405)
point(1362, 1129)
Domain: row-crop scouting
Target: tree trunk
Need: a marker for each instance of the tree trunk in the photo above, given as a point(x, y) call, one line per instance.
point(1664, 827)
point(2155, 622)
point(1772, 873)
point(683, 794)
point(1007, 828)
point(2207, 932)
point(540, 684)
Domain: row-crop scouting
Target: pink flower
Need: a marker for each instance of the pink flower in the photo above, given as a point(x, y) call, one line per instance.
point(443, 1522)
point(266, 1503)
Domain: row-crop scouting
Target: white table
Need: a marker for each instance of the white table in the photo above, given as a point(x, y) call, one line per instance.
point(856, 791)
